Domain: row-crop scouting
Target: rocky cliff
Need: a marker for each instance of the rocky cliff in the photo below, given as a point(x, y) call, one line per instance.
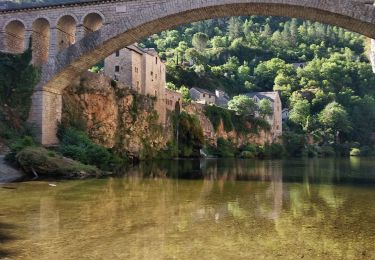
point(211, 134)
point(114, 116)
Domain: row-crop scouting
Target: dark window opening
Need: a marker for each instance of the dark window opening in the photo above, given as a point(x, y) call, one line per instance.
point(117, 53)
point(117, 68)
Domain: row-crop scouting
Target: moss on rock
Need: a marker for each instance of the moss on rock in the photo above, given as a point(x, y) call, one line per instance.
point(49, 163)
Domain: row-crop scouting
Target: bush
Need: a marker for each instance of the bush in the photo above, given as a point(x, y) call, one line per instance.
point(366, 151)
point(225, 148)
point(18, 145)
point(355, 152)
point(273, 151)
point(46, 162)
point(327, 150)
point(247, 155)
point(77, 145)
point(311, 151)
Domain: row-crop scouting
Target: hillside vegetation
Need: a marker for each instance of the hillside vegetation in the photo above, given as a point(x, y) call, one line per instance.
point(330, 93)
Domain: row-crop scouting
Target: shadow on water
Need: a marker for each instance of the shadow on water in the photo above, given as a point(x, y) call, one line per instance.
point(5, 237)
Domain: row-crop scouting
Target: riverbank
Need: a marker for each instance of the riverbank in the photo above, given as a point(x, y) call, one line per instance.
point(7, 173)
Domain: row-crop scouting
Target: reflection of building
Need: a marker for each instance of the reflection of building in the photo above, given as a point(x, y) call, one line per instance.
point(275, 120)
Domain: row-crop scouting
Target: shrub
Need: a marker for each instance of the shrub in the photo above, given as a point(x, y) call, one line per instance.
point(217, 114)
point(247, 155)
point(77, 145)
point(355, 152)
point(18, 145)
point(366, 151)
point(274, 151)
point(46, 162)
point(327, 150)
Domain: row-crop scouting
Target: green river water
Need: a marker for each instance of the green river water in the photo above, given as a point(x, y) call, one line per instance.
point(207, 209)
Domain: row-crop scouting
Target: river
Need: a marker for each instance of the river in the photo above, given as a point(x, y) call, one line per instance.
point(197, 209)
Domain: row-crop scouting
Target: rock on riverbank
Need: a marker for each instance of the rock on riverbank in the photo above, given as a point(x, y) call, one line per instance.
point(7, 173)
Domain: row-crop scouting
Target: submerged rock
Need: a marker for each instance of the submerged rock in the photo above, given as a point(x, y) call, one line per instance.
point(40, 161)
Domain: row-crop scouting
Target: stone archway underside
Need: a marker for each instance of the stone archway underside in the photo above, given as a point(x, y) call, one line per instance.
point(154, 16)
point(98, 45)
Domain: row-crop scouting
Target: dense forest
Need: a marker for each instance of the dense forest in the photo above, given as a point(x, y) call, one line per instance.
point(321, 71)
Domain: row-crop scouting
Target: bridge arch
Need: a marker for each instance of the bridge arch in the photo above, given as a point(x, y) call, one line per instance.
point(15, 36)
point(40, 41)
point(158, 16)
point(92, 21)
point(66, 31)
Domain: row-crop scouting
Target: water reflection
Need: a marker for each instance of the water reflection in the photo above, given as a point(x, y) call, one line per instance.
point(214, 209)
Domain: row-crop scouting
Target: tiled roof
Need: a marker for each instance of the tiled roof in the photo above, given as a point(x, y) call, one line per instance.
point(262, 95)
point(204, 91)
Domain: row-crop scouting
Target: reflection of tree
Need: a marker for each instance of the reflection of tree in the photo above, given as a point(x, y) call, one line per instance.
point(172, 218)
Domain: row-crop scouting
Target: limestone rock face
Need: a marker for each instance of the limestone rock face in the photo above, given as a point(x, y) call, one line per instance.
point(113, 115)
point(211, 135)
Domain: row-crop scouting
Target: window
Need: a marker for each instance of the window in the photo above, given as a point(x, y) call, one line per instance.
point(136, 70)
point(137, 84)
point(156, 60)
point(204, 95)
point(152, 73)
point(117, 53)
point(117, 68)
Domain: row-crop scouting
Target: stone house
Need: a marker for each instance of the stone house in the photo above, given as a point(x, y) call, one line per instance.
point(173, 100)
point(222, 98)
point(202, 96)
point(140, 69)
point(143, 71)
point(275, 120)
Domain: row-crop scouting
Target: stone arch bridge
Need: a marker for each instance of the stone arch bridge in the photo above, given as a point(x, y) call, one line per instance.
point(68, 39)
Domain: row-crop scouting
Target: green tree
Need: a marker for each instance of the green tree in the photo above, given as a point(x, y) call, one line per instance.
point(243, 105)
point(185, 93)
point(334, 118)
point(265, 108)
point(300, 112)
point(199, 41)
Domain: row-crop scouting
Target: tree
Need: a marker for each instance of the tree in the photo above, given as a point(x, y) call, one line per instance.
point(234, 27)
point(265, 108)
point(243, 105)
point(17, 81)
point(244, 72)
point(335, 118)
point(199, 41)
point(185, 94)
point(300, 112)
point(267, 71)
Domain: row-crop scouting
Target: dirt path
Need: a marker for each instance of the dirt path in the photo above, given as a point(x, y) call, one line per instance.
point(7, 173)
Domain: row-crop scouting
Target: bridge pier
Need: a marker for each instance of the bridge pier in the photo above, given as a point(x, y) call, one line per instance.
point(45, 115)
point(372, 55)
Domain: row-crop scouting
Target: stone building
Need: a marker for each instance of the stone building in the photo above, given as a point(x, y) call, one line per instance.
point(222, 98)
point(202, 96)
point(143, 71)
point(140, 69)
point(275, 120)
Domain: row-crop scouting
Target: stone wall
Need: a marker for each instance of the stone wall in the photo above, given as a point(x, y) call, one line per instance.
point(114, 116)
